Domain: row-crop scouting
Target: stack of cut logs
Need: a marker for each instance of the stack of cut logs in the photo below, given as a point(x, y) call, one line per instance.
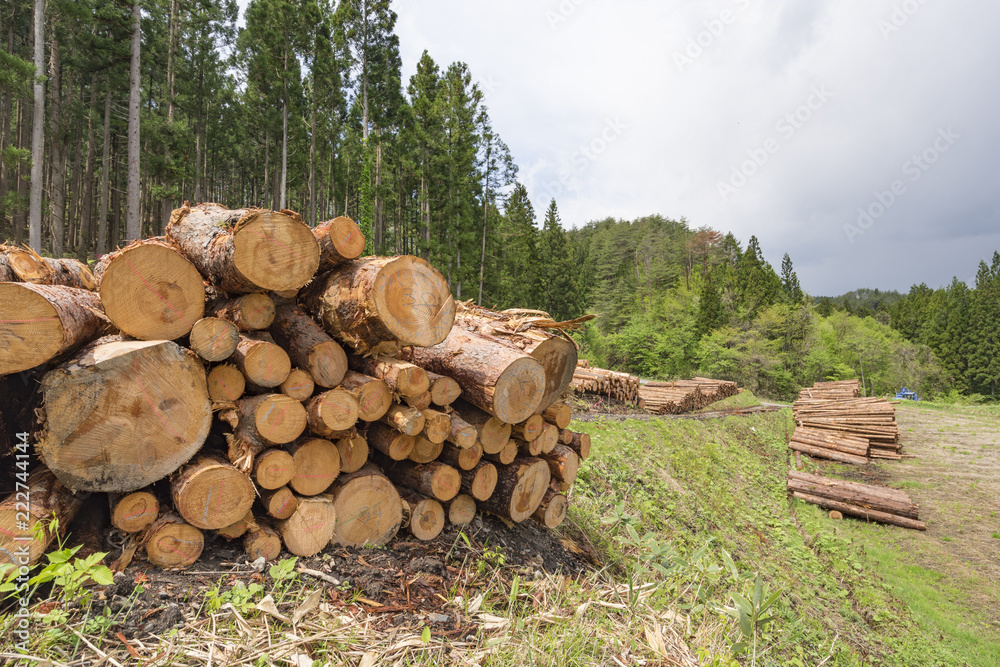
point(865, 501)
point(589, 379)
point(682, 396)
point(352, 396)
point(834, 422)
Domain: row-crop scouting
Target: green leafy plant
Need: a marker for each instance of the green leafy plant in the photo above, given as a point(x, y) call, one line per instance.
point(240, 595)
point(751, 616)
point(69, 575)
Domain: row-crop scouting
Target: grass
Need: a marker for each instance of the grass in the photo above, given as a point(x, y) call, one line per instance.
point(744, 399)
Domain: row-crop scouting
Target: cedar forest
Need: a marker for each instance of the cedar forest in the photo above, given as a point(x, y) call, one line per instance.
point(305, 108)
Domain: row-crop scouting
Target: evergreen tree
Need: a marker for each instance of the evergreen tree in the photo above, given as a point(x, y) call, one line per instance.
point(790, 288)
point(559, 294)
point(709, 306)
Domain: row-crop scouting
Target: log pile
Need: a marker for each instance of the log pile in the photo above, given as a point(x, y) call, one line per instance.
point(872, 503)
point(251, 378)
point(589, 379)
point(682, 396)
point(833, 422)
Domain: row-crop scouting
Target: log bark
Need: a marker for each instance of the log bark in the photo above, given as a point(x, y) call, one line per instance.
point(559, 414)
point(580, 443)
point(123, 414)
point(404, 419)
point(552, 511)
point(395, 445)
point(435, 479)
point(861, 512)
point(171, 543)
point(461, 509)
point(41, 322)
point(214, 339)
point(249, 312)
point(25, 265)
point(262, 362)
point(316, 465)
point(308, 346)
point(368, 506)
point(379, 304)
point(424, 450)
point(209, 493)
point(133, 512)
point(520, 488)
point(262, 541)
point(374, 396)
point(480, 481)
point(353, 453)
point(504, 382)
point(340, 241)
point(492, 433)
point(273, 468)
point(246, 250)
point(310, 528)
point(260, 422)
point(831, 454)
point(424, 516)
point(279, 503)
point(298, 385)
point(401, 377)
point(332, 413)
point(150, 290)
point(868, 495)
point(226, 384)
point(21, 511)
point(444, 390)
point(462, 433)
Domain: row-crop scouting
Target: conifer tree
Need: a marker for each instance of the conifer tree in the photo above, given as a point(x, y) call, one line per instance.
point(790, 287)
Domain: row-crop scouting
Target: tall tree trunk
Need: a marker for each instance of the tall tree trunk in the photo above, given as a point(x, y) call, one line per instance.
point(197, 136)
point(166, 204)
point(486, 209)
point(267, 167)
point(284, 131)
point(379, 217)
point(312, 157)
point(133, 228)
point(72, 239)
point(37, 134)
point(24, 139)
point(56, 145)
point(102, 214)
point(86, 232)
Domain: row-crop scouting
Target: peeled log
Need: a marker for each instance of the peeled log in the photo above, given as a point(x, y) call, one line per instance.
point(172, 543)
point(262, 541)
point(40, 322)
point(210, 493)
point(422, 515)
point(262, 362)
point(44, 496)
point(552, 511)
point(332, 413)
point(308, 346)
point(298, 385)
point(273, 468)
point(150, 290)
point(250, 312)
point(378, 304)
point(310, 528)
point(493, 433)
point(353, 453)
point(123, 414)
point(226, 384)
point(444, 390)
point(520, 489)
point(461, 509)
point(401, 376)
point(502, 381)
point(316, 465)
point(395, 445)
point(368, 506)
point(133, 512)
point(435, 479)
point(340, 240)
point(246, 250)
point(214, 339)
point(374, 397)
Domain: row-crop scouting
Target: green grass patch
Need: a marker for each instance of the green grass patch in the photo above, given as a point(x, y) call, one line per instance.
point(744, 399)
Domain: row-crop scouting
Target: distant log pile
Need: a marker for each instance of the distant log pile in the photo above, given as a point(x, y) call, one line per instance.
point(834, 422)
point(682, 396)
point(872, 503)
point(589, 379)
point(245, 315)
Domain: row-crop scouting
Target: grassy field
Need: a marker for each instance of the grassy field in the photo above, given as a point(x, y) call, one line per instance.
point(681, 519)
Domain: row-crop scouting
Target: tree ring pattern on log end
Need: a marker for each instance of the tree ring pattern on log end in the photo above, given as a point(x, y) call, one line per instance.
point(369, 511)
point(275, 252)
point(414, 302)
point(30, 328)
point(280, 419)
point(518, 390)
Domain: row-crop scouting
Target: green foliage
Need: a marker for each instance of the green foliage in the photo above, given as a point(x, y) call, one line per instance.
point(240, 595)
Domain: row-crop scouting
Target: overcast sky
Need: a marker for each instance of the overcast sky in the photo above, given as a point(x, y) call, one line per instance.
point(780, 119)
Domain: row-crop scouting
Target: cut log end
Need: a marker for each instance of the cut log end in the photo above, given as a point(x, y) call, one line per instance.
point(279, 503)
point(521, 487)
point(214, 339)
point(275, 251)
point(263, 363)
point(332, 412)
point(171, 543)
point(353, 453)
point(298, 385)
point(278, 418)
point(340, 240)
point(424, 516)
point(262, 541)
point(226, 383)
point(414, 301)
point(309, 529)
point(211, 494)
point(135, 511)
point(461, 509)
point(316, 466)
point(369, 508)
point(552, 511)
point(273, 468)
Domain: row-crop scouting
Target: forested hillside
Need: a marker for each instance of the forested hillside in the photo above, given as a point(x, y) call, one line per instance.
point(305, 108)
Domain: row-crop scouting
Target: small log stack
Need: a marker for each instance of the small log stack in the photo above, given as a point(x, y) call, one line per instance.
point(872, 503)
point(833, 422)
point(682, 396)
point(589, 379)
point(334, 382)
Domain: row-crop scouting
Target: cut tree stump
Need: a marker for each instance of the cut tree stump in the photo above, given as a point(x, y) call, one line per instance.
point(262, 541)
point(249, 312)
point(444, 390)
point(502, 381)
point(310, 528)
point(279, 503)
point(44, 497)
point(521, 486)
point(461, 509)
point(316, 465)
point(121, 415)
point(262, 362)
point(332, 413)
point(435, 479)
point(41, 322)
point(308, 346)
point(369, 508)
point(401, 376)
point(395, 445)
point(378, 304)
point(340, 240)
point(298, 385)
point(214, 339)
point(353, 452)
point(404, 419)
point(374, 396)
point(246, 250)
point(552, 512)
point(273, 468)
point(133, 512)
point(422, 515)
point(210, 493)
point(226, 384)
point(493, 433)
point(150, 290)
point(172, 543)
point(424, 450)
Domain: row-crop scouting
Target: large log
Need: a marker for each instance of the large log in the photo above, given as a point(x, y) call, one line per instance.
point(502, 381)
point(246, 250)
point(172, 543)
point(378, 304)
point(316, 464)
point(210, 493)
point(40, 322)
point(273, 468)
point(493, 433)
point(214, 339)
point(310, 528)
point(369, 508)
point(42, 497)
point(24, 264)
point(308, 346)
point(340, 240)
point(520, 488)
point(374, 397)
point(422, 515)
point(249, 312)
point(401, 376)
point(121, 415)
point(262, 362)
point(150, 290)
